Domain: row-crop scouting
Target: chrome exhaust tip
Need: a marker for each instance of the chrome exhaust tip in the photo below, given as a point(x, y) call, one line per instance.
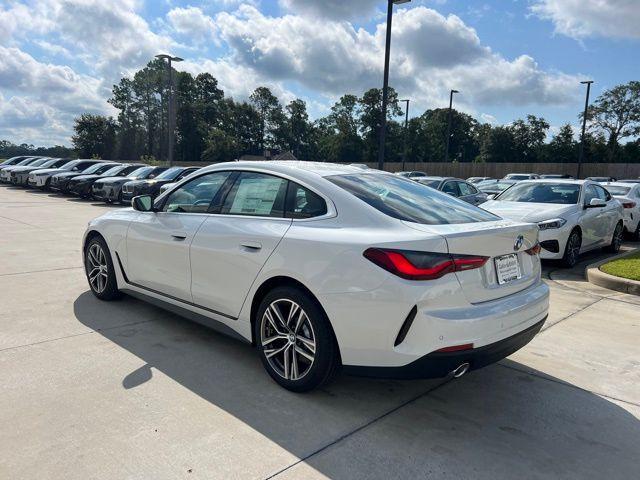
point(461, 370)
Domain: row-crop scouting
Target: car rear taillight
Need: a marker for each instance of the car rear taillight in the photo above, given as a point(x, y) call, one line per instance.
point(412, 265)
point(629, 204)
point(457, 348)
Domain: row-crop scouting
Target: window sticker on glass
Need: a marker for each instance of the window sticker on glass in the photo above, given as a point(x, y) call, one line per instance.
point(256, 196)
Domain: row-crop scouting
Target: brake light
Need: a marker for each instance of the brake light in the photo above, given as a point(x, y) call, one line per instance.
point(412, 265)
point(535, 250)
point(629, 204)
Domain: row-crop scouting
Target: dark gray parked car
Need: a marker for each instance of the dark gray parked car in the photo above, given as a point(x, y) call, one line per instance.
point(455, 187)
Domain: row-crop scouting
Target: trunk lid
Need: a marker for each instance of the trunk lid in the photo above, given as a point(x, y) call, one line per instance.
point(494, 240)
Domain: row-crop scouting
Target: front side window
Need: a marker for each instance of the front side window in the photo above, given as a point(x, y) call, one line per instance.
point(303, 203)
point(196, 196)
point(256, 194)
point(602, 193)
point(451, 188)
point(556, 193)
point(589, 194)
point(410, 201)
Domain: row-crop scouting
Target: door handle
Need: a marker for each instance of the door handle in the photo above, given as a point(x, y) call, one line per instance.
point(251, 245)
point(179, 235)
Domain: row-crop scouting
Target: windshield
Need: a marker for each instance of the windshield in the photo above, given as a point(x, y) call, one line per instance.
point(95, 168)
point(141, 172)
point(494, 185)
point(70, 165)
point(170, 174)
point(557, 193)
point(616, 190)
point(49, 163)
point(26, 161)
point(407, 200)
point(113, 171)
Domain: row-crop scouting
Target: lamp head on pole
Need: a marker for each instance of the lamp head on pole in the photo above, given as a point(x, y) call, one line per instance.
point(585, 82)
point(455, 91)
point(163, 56)
point(400, 2)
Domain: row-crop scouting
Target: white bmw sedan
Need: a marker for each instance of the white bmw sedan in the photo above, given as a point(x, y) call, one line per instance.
point(574, 216)
point(325, 266)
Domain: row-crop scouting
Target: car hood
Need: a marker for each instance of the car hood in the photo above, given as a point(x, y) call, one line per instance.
point(82, 178)
point(52, 171)
point(527, 212)
point(135, 183)
point(68, 174)
point(113, 180)
point(23, 169)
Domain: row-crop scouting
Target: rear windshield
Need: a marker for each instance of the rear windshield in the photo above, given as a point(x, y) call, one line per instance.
point(430, 183)
point(407, 200)
point(517, 177)
point(616, 190)
point(556, 193)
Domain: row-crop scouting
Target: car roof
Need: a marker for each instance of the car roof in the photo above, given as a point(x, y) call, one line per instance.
point(619, 184)
point(293, 167)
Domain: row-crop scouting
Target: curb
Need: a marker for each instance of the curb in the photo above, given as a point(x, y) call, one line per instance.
point(598, 277)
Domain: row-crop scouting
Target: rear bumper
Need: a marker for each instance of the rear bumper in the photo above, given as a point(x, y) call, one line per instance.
point(441, 364)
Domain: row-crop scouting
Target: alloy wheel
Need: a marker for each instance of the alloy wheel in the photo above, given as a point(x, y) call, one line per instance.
point(98, 268)
point(617, 238)
point(573, 249)
point(288, 339)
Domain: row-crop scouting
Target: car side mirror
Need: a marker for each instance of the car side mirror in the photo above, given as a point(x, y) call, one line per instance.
point(491, 196)
point(596, 203)
point(142, 203)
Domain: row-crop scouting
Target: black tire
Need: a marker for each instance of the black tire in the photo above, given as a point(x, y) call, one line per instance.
point(106, 287)
point(572, 249)
point(635, 236)
point(316, 326)
point(616, 239)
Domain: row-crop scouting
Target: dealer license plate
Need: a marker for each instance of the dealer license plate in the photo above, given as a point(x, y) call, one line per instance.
point(508, 268)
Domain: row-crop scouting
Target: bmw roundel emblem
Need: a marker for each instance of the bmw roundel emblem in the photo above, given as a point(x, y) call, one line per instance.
point(518, 242)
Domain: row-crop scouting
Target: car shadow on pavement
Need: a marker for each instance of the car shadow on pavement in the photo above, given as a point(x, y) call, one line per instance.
point(498, 422)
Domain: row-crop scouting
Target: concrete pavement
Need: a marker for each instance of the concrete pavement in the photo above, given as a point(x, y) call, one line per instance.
point(126, 390)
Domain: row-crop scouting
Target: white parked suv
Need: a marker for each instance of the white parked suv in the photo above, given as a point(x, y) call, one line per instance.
point(324, 266)
point(628, 194)
point(574, 216)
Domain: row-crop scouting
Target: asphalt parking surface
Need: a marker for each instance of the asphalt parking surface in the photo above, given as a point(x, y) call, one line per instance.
point(126, 390)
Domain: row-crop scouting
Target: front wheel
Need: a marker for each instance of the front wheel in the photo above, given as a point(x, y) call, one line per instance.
point(295, 340)
point(572, 250)
point(616, 239)
point(99, 270)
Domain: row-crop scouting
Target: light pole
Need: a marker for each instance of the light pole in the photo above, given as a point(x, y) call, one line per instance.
point(385, 84)
point(170, 110)
point(446, 152)
point(584, 125)
point(406, 133)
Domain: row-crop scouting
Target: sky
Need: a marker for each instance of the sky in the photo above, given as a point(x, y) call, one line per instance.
point(508, 58)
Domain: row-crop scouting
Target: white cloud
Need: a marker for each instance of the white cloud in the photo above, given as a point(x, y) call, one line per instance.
point(193, 22)
point(586, 18)
point(431, 54)
point(334, 9)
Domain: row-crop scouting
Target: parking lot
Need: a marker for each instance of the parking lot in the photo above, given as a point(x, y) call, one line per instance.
point(127, 390)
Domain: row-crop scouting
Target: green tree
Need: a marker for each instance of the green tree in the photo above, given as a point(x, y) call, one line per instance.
point(616, 114)
point(563, 147)
point(94, 136)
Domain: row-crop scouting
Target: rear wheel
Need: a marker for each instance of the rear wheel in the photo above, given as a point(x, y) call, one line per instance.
point(616, 240)
point(572, 249)
point(295, 340)
point(635, 236)
point(99, 270)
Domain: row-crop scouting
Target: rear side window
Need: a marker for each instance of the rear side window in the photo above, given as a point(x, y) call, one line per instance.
point(256, 194)
point(407, 200)
point(303, 203)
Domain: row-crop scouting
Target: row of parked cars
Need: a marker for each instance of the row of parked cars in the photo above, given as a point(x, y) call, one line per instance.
point(108, 181)
point(574, 216)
